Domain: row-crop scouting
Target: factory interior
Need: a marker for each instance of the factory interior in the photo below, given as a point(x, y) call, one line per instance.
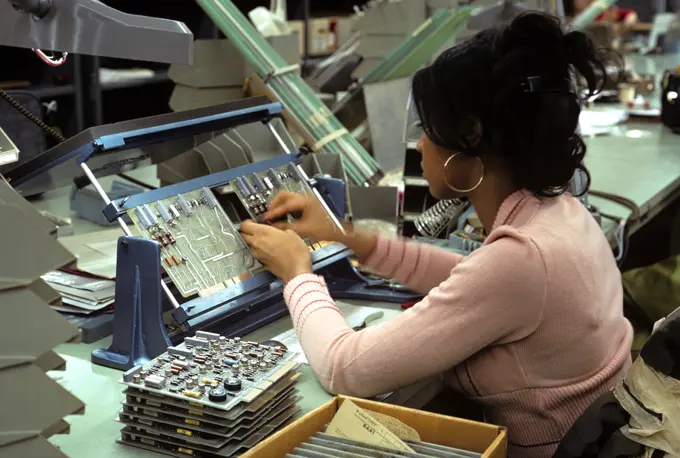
point(340, 228)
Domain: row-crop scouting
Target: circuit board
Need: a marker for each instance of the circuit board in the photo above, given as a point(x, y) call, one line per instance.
point(191, 370)
point(201, 248)
point(209, 396)
point(257, 191)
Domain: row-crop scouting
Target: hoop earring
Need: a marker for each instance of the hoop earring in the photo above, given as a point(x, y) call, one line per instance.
point(462, 191)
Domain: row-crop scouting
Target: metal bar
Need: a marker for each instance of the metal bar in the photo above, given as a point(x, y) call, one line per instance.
point(123, 225)
point(278, 138)
point(208, 181)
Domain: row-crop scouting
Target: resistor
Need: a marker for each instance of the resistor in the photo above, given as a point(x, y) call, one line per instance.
point(162, 240)
point(174, 258)
point(168, 261)
point(171, 239)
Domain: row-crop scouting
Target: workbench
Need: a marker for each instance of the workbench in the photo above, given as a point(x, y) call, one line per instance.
point(640, 161)
point(94, 434)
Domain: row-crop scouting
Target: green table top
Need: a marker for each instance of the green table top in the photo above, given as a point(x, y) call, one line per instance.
point(94, 433)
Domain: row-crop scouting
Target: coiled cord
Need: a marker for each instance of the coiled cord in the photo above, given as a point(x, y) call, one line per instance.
point(31, 116)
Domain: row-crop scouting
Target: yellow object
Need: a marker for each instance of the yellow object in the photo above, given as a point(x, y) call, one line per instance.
point(189, 421)
point(184, 432)
point(192, 394)
point(186, 451)
point(193, 412)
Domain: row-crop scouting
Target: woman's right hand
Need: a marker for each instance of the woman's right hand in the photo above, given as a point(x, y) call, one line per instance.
point(311, 220)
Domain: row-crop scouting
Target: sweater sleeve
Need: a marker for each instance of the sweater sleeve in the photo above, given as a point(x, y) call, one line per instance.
point(496, 295)
point(420, 267)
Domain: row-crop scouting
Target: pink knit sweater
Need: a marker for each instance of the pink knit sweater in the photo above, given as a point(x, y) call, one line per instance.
point(530, 325)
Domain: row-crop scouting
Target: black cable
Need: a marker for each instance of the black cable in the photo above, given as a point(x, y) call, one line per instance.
point(58, 136)
point(136, 181)
point(32, 117)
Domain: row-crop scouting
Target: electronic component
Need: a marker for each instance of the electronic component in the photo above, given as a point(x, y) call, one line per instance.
point(274, 177)
point(150, 215)
point(259, 184)
point(143, 218)
point(218, 394)
point(154, 381)
point(294, 172)
point(209, 197)
point(191, 409)
point(184, 205)
point(232, 384)
point(163, 211)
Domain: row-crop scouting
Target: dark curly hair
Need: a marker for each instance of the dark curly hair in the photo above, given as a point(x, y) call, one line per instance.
point(518, 82)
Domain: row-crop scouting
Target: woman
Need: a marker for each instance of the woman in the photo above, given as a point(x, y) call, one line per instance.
point(531, 324)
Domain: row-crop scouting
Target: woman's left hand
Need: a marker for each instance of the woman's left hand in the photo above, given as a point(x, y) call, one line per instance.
point(283, 253)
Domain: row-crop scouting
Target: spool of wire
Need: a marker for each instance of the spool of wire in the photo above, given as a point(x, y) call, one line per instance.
point(436, 219)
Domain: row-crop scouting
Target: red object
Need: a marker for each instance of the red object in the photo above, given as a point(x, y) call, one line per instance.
point(408, 305)
point(621, 14)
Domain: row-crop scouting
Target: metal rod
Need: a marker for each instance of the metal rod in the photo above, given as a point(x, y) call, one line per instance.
point(316, 192)
point(278, 138)
point(123, 225)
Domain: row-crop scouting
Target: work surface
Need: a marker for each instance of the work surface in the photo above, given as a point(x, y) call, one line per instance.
point(94, 434)
point(639, 160)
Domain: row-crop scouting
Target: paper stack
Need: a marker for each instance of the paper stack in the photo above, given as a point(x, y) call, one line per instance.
point(80, 294)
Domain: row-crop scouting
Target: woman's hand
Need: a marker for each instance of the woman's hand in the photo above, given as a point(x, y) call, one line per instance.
point(282, 252)
point(311, 221)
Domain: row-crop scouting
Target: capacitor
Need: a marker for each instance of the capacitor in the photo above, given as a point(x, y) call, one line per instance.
point(257, 181)
point(217, 394)
point(209, 197)
point(263, 366)
point(294, 172)
point(184, 205)
point(201, 387)
point(136, 379)
point(163, 210)
point(232, 384)
point(150, 214)
point(175, 212)
point(240, 187)
point(249, 186)
point(143, 218)
point(271, 173)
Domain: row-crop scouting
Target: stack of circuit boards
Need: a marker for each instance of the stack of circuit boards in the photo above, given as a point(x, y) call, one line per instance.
point(209, 397)
point(201, 248)
point(323, 445)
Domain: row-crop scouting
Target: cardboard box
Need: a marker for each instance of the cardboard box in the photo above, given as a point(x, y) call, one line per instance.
point(489, 440)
